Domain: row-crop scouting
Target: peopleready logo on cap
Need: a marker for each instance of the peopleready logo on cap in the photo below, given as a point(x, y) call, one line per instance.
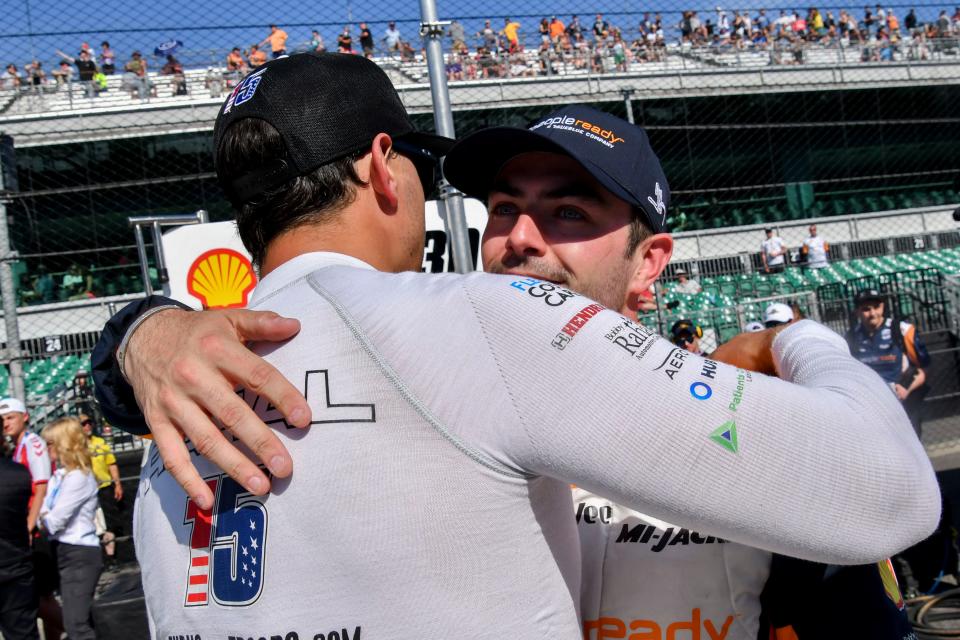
point(580, 127)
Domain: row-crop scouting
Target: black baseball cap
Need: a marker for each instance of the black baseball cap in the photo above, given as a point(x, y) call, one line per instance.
point(615, 152)
point(325, 106)
point(868, 295)
point(684, 331)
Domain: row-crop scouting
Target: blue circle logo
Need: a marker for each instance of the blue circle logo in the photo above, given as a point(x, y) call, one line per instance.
point(701, 390)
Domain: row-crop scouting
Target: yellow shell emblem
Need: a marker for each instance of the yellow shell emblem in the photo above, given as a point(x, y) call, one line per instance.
point(221, 278)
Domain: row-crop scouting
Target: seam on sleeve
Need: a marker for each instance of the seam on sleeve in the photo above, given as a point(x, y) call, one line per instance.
point(503, 379)
point(405, 392)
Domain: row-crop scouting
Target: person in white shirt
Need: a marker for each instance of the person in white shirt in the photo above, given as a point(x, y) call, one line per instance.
point(68, 517)
point(773, 252)
point(685, 284)
point(815, 250)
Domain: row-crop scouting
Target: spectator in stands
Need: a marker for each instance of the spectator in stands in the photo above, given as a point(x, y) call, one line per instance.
point(135, 78)
point(108, 60)
point(316, 42)
point(910, 22)
point(892, 348)
point(345, 41)
point(63, 74)
point(457, 36)
point(574, 29)
point(685, 284)
point(600, 28)
point(256, 57)
point(110, 490)
point(18, 595)
point(773, 252)
point(815, 251)
point(489, 37)
point(213, 81)
point(686, 334)
point(44, 286)
point(544, 30)
point(753, 327)
point(35, 74)
point(77, 284)
point(511, 31)
point(943, 25)
point(776, 314)
point(68, 518)
point(277, 40)
point(391, 37)
point(11, 77)
point(366, 40)
point(236, 65)
point(407, 53)
point(86, 69)
point(488, 64)
point(175, 69)
point(557, 29)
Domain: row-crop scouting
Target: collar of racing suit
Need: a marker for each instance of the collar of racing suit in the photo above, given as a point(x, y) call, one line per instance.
point(299, 267)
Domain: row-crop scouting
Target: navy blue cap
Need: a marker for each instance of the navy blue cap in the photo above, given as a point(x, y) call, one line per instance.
point(615, 152)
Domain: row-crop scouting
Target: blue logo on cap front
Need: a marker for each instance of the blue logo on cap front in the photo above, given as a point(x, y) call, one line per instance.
point(245, 90)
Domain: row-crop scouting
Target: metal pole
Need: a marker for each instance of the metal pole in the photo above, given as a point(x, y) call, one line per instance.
point(158, 253)
point(628, 103)
point(142, 254)
point(455, 220)
point(8, 291)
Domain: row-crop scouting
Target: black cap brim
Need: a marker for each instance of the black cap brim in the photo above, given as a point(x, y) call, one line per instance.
point(437, 145)
point(475, 161)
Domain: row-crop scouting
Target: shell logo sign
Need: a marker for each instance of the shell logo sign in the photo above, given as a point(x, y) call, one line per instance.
point(221, 278)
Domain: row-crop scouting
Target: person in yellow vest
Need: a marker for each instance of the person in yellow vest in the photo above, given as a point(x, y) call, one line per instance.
point(110, 490)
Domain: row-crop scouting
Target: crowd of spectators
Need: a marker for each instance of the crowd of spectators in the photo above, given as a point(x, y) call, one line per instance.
point(514, 49)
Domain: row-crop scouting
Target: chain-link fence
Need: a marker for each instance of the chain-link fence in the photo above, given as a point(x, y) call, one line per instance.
point(763, 116)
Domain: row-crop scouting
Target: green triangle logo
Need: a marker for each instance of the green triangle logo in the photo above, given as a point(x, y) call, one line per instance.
point(726, 436)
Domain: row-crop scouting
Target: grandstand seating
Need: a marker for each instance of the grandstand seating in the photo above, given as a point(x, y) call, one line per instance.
point(47, 375)
point(688, 216)
point(715, 306)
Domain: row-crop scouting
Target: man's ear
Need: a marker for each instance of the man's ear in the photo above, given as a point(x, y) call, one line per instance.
point(382, 178)
point(650, 260)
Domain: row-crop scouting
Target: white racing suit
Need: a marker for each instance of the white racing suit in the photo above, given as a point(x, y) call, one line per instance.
point(430, 497)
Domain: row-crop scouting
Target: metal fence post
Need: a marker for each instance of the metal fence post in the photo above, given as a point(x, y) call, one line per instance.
point(628, 103)
point(451, 200)
point(8, 291)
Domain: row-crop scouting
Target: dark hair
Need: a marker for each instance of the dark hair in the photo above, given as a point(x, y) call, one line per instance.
point(312, 198)
point(639, 230)
point(104, 44)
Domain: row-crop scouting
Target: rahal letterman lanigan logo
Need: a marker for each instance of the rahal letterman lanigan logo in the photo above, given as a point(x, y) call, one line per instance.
point(221, 278)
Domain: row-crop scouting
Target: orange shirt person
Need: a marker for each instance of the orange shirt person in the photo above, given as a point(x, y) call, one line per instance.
point(277, 40)
point(557, 29)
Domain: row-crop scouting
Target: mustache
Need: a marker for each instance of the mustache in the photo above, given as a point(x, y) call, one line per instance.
point(533, 266)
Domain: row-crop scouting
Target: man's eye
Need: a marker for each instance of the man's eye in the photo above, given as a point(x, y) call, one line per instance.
point(505, 209)
point(568, 213)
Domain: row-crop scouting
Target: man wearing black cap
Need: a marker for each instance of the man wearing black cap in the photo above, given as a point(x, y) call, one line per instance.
point(686, 334)
point(491, 438)
point(892, 348)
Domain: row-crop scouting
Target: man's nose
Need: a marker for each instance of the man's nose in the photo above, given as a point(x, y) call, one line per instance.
point(525, 238)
